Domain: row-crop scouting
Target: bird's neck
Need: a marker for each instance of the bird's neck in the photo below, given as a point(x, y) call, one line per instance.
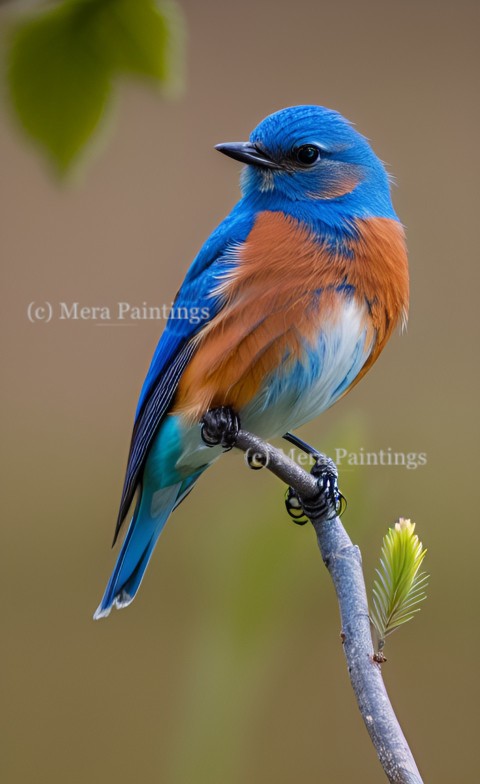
point(367, 200)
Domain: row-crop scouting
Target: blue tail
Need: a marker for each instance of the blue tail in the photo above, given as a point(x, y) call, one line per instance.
point(147, 523)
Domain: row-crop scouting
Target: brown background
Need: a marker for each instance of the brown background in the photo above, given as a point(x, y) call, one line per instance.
point(228, 667)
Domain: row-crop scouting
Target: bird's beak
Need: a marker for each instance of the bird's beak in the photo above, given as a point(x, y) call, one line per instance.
point(246, 152)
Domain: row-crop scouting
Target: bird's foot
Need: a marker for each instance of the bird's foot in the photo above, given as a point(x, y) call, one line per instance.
point(327, 504)
point(294, 507)
point(220, 427)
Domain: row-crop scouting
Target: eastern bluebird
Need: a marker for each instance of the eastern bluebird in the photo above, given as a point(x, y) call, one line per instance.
point(295, 294)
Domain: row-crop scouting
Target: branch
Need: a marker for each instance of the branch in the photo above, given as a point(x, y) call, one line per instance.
point(343, 561)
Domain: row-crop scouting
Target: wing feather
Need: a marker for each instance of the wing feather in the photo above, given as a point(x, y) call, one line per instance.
point(146, 426)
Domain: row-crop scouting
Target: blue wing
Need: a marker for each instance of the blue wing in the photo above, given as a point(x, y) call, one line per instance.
point(176, 346)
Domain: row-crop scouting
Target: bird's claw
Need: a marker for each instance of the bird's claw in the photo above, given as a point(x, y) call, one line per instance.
point(294, 507)
point(220, 427)
point(329, 501)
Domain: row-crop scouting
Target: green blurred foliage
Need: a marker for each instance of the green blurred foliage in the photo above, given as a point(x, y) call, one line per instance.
point(63, 63)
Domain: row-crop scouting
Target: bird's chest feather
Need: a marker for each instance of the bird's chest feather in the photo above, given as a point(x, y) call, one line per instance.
point(312, 379)
point(301, 319)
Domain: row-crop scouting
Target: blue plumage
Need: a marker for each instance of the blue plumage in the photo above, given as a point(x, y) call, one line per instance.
point(141, 538)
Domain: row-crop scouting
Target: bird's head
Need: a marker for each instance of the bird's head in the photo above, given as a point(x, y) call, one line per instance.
point(308, 152)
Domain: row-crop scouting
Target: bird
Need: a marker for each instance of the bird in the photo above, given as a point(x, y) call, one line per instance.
point(294, 296)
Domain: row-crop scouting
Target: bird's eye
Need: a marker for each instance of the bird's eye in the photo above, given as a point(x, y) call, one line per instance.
point(307, 154)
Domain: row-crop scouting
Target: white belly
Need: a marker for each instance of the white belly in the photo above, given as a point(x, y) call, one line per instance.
point(294, 397)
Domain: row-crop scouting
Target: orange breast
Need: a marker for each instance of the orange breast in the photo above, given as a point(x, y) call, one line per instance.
point(273, 308)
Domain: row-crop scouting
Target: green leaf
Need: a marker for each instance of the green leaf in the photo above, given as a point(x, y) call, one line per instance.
point(59, 83)
point(399, 587)
point(142, 38)
point(62, 64)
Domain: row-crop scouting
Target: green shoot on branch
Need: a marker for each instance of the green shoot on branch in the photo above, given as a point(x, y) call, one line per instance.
point(400, 586)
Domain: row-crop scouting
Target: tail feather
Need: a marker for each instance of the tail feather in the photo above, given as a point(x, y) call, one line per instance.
point(137, 548)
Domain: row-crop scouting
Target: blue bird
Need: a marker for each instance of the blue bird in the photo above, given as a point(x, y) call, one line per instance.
point(287, 305)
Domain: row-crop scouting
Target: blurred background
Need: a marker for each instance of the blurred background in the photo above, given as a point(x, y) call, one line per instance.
point(228, 666)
